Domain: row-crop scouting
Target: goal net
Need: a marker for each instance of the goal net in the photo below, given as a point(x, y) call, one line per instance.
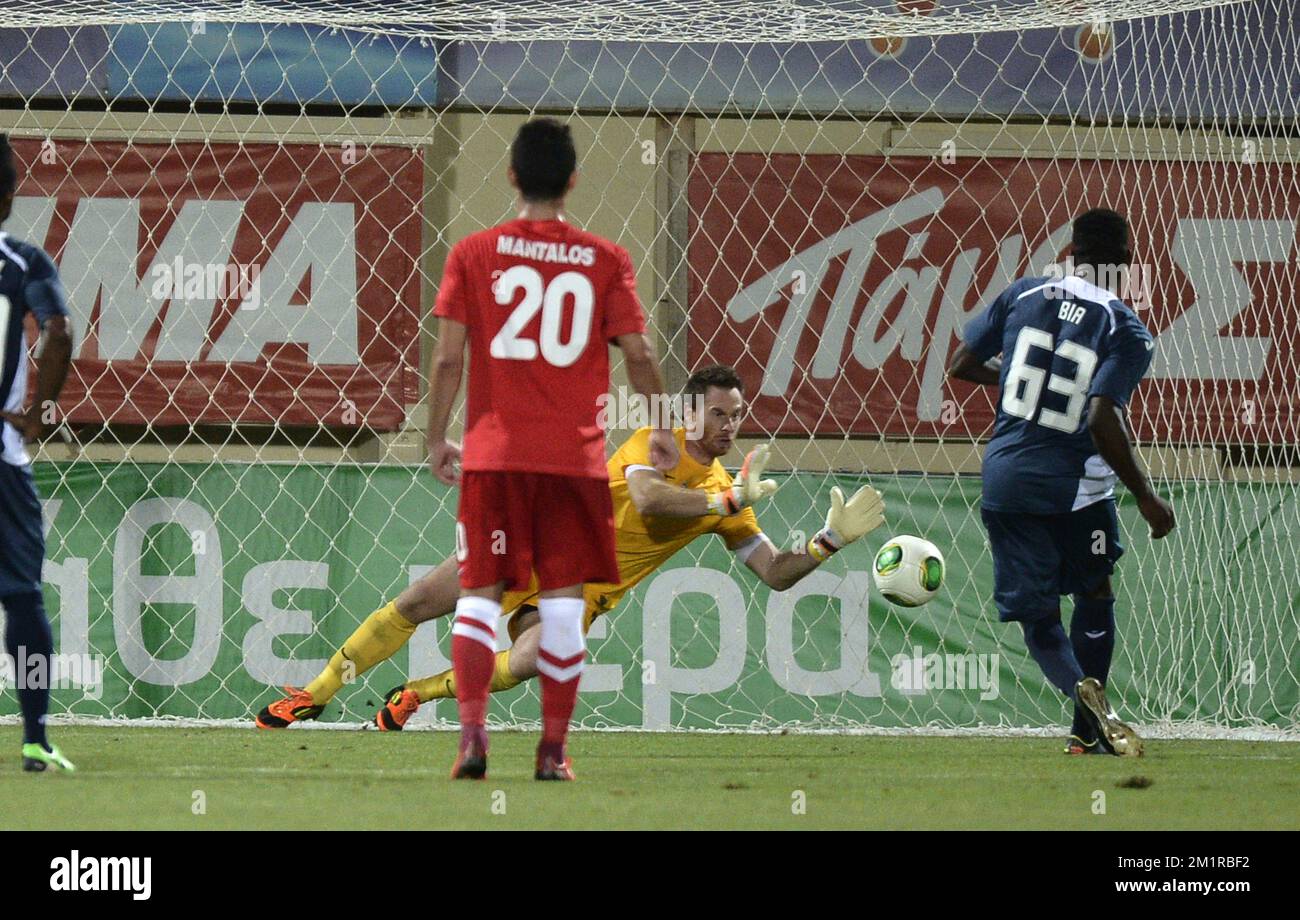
point(250, 204)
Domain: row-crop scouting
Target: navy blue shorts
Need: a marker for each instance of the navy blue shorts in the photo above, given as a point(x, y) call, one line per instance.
point(1039, 557)
point(22, 536)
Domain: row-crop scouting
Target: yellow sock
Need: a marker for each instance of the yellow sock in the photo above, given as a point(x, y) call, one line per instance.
point(502, 679)
point(377, 639)
point(443, 686)
point(438, 687)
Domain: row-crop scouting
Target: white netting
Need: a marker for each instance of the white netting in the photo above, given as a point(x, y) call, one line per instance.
point(250, 204)
point(630, 20)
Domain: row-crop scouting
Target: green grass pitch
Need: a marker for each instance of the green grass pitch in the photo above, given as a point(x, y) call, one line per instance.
point(157, 777)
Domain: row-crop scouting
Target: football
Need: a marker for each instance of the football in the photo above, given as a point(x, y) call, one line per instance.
point(908, 570)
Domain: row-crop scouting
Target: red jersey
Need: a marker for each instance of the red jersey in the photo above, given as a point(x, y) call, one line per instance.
point(540, 299)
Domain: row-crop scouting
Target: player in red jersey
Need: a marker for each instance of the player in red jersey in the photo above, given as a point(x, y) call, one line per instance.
point(536, 300)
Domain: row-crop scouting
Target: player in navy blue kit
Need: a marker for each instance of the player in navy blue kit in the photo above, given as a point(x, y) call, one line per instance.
point(1072, 355)
point(29, 283)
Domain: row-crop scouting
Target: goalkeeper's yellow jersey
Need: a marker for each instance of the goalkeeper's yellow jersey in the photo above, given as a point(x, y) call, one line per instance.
point(645, 543)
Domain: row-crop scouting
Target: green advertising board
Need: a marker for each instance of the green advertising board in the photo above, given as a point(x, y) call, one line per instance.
point(198, 589)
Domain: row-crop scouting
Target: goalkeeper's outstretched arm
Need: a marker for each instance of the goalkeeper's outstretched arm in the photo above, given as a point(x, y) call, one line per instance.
point(655, 496)
point(847, 522)
point(780, 569)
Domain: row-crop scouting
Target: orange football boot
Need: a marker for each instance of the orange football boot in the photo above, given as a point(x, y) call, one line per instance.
point(399, 705)
point(296, 707)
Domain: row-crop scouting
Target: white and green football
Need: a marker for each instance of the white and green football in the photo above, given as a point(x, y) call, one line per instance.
point(908, 570)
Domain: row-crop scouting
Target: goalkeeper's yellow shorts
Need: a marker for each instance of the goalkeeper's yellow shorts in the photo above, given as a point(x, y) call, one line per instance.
point(600, 599)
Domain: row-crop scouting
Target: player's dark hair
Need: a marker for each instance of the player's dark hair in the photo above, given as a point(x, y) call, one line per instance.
point(543, 158)
point(1100, 238)
point(715, 375)
point(8, 172)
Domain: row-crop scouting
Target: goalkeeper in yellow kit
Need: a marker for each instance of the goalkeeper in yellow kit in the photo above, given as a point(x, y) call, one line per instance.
point(655, 515)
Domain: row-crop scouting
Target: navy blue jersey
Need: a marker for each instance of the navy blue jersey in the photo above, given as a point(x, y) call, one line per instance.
point(29, 283)
point(1062, 341)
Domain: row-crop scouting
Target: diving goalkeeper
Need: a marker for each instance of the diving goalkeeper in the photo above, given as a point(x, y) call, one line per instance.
point(655, 515)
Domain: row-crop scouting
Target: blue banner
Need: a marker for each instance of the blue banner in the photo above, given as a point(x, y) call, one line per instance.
point(53, 63)
point(295, 64)
point(1234, 62)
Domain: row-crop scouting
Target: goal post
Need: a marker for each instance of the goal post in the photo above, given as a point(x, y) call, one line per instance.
point(249, 205)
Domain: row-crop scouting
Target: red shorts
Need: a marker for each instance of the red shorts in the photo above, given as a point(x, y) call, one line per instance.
point(510, 524)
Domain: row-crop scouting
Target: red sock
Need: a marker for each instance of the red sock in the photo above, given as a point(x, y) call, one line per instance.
point(473, 663)
point(473, 657)
point(558, 698)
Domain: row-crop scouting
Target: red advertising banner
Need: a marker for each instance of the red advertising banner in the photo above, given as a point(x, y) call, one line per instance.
point(220, 283)
point(838, 285)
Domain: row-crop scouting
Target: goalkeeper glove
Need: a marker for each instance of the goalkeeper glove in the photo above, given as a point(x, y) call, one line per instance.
point(748, 489)
point(847, 521)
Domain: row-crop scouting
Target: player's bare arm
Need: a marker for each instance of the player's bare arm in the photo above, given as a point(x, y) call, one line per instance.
point(966, 366)
point(655, 496)
point(781, 569)
point(648, 381)
point(444, 386)
point(846, 522)
point(1107, 425)
point(51, 372)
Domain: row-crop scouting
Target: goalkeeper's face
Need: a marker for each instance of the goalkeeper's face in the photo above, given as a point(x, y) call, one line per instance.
point(714, 419)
